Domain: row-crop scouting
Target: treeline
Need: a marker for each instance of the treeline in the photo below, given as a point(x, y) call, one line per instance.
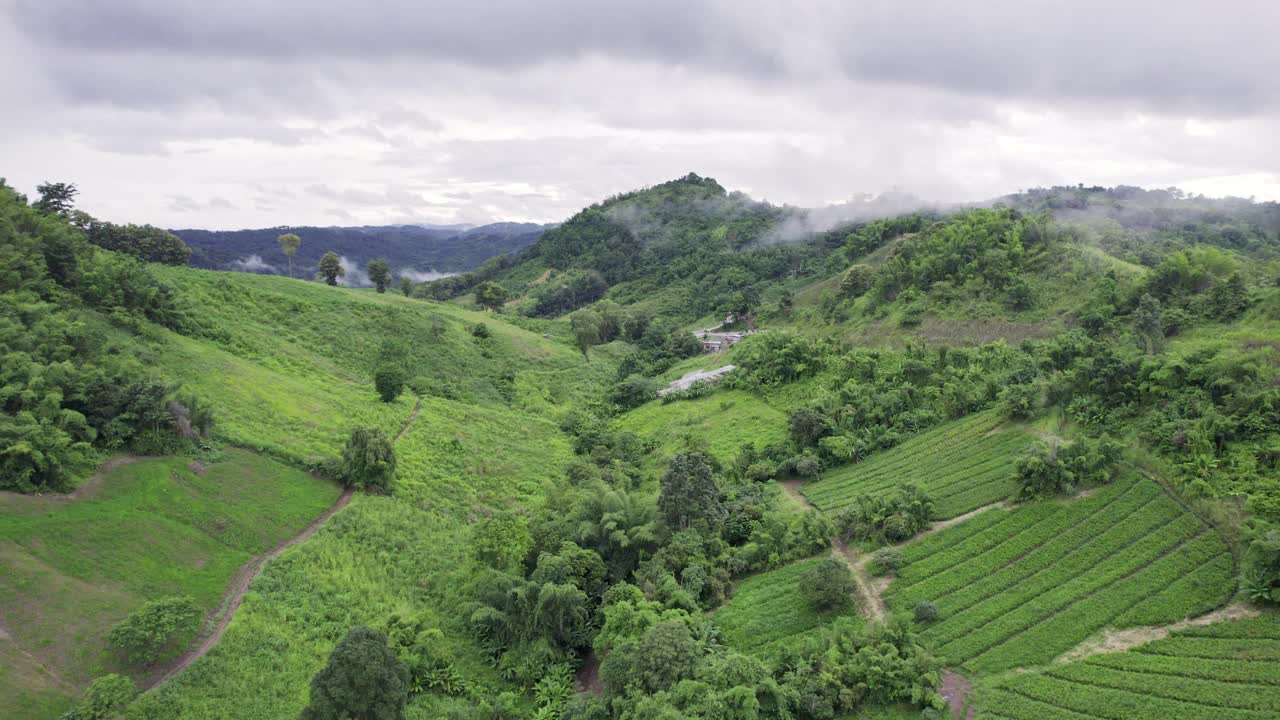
point(73, 377)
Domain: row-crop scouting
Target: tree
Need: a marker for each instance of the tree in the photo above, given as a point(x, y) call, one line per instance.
point(925, 612)
point(808, 426)
point(289, 246)
point(491, 295)
point(856, 280)
point(586, 331)
point(828, 585)
point(380, 274)
point(406, 285)
point(389, 381)
point(368, 460)
point(689, 492)
point(331, 268)
point(1147, 325)
point(156, 627)
point(56, 198)
point(363, 680)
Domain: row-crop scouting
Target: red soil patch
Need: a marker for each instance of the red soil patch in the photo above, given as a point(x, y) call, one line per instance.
point(956, 690)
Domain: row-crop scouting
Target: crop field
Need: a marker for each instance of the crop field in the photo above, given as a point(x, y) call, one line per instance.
point(1226, 671)
point(721, 423)
point(150, 529)
point(1018, 588)
point(768, 608)
point(962, 465)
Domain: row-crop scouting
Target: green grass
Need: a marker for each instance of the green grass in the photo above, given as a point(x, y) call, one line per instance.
point(962, 465)
point(1018, 588)
point(1228, 670)
point(154, 528)
point(768, 609)
point(720, 423)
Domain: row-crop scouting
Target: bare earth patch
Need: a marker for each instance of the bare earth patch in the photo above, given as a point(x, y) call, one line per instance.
point(1113, 641)
point(955, 690)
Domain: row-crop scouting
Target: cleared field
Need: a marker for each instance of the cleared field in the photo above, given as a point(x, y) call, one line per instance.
point(721, 422)
point(962, 465)
point(1229, 670)
point(769, 608)
point(1018, 588)
point(73, 568)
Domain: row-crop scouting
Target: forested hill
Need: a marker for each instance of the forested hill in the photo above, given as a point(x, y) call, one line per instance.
point(416, 249)
point(692, 251)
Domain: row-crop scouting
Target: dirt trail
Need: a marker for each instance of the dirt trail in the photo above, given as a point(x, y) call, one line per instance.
point(871, 602)
point(235, 593)
point(88, 488)
point(1111, 641)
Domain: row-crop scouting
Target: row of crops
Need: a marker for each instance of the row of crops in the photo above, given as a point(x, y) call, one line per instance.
point(962, 465)
point(1017, 588)
point(768, 608)
point(1225, 671)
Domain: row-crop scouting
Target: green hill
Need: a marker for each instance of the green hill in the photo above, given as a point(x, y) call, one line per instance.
point(1093, 371)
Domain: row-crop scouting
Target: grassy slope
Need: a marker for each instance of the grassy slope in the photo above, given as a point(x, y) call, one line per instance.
point(287, 366)
point(154, 528)
point(768, 609)
point(721, 422)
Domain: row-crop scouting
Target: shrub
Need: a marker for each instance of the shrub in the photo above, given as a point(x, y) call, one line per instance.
point(368, 460)
point(480, 331)
point(828, 585)
point(887, 561)
point(389, 380)
point(156, 627)
point(1047, 470)
point(105, 699)
point(925, 612)
point(635, 391)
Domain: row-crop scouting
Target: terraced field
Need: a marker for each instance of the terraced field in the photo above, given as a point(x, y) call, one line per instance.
point(962, 465)
point(1017, 588)
point(1225, 671)
point(769, 608)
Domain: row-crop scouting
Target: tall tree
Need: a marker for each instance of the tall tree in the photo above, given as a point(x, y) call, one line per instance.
point(406, 285)
point(368, 460)
point(363, 680)
point(380, 274)
point(289, 246)
point(1146, 323)
point(56, 198)
point(491, 295)
point(586, 331)
point(689, 492)
point(331, 268)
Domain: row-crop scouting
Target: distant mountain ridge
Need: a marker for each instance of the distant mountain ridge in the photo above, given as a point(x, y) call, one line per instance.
point(420, 252)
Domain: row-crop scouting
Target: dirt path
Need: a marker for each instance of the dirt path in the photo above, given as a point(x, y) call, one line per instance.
point(870, 600)
point(86, 489)
point(1110, 641)
point(235, 593)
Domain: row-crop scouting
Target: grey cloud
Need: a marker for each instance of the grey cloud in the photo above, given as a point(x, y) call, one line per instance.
point(1209, 57)
point(253, 263)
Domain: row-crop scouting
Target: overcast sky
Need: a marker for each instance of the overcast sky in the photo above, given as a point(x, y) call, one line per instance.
point(250, 113)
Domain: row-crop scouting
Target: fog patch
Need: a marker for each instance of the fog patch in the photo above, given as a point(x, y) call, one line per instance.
point(355, 276)
point(253, 264)
point(423, 275)
point(802, 224)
